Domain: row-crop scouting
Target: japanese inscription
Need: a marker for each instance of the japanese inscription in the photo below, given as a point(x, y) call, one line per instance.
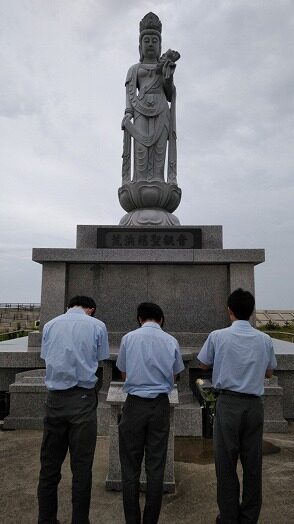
point(149, 238)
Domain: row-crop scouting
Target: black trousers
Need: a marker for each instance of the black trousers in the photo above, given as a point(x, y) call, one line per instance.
point(70, 423)
point(238, 428)
point(144, 427)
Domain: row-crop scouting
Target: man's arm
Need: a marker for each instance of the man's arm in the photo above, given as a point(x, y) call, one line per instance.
point(272, 364)
point(205, 357)
point(178, 366)
point(103, 344)
point(121, 360)
point(43, 344)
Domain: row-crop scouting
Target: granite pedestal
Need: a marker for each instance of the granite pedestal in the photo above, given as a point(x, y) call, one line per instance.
point(190, 284)
point(184, 269)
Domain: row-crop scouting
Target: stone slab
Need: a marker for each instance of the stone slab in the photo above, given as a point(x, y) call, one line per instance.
point(148, 237)
point(21, 359)
point(212, 237)
point(178, 289)
point(188, 419)
point(11, 422)
point(150, 256)
point(116, 395)
point(286, 381)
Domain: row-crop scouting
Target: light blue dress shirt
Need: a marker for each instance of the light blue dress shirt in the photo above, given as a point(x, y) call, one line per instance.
point(150, 357)
point(240, 356)
point(72, 346)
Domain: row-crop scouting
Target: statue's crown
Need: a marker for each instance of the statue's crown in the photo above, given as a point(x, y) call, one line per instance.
point(150, 21)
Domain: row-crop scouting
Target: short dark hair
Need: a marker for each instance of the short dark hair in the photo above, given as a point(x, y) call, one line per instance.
point(82, 301)
point(241, 303)
point(150, 311)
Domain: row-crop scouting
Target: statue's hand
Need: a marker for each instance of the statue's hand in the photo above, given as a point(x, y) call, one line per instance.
point(166, 64)
point(127, 116)
point(168, 69)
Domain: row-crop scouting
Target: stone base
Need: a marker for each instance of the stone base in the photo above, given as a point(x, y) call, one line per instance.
point(275, 426)
point(116, 398)
point(103, 418)
point(149, 217)
point(188, 420)
point(155, 194)
point(27, 398)
point(11, 423)
point(274, 421)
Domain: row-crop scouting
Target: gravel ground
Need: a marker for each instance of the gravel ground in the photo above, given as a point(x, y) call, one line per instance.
point(194, 501)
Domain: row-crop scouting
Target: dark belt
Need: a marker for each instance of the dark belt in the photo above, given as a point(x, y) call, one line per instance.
point(148, 399)
point(237, 394)
point(73, 388)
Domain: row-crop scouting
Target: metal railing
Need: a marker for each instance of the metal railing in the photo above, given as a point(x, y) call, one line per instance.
point(29, 306)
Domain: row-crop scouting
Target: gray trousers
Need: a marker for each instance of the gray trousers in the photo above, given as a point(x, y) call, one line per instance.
point(70, 423)
point(238, 428)
point(144, 427)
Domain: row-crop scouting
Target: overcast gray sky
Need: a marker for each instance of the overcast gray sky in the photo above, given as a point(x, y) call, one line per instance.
point(62, 71)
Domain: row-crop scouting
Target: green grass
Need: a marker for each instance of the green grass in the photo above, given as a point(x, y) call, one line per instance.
point(285, 332)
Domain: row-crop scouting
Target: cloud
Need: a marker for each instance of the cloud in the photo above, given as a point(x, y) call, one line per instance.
point(62, 96)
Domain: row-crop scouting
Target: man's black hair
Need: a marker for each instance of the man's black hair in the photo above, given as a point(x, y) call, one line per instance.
point(82, 301)
point(150, 311)
point(241, 303)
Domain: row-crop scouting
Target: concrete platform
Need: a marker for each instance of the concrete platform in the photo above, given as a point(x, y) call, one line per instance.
point(193, 502)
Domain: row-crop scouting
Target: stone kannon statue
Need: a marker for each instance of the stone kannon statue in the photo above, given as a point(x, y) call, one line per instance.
point(149, 127)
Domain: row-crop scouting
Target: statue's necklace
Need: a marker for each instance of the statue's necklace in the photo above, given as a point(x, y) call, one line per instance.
point(149, 67)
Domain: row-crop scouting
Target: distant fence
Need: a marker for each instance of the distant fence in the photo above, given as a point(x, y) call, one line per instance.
point(19, 306)
point(14, 334)
point(281, 335)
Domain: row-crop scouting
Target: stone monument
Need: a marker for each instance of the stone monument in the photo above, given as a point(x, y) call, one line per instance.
point(149, 256)
point(148, 198)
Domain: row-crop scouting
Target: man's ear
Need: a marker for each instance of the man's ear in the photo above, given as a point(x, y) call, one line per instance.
point(93, 310)
point(231, 315)
point(90, 311)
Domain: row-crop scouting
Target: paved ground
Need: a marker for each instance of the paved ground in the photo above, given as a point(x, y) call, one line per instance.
point(194, 501)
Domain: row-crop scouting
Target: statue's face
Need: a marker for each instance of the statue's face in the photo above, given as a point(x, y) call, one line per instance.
point(150, 46)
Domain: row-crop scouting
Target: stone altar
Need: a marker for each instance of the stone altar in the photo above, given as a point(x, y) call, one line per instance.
point(116, 399)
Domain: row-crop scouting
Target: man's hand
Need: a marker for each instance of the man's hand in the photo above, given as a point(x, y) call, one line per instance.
point(205, 367)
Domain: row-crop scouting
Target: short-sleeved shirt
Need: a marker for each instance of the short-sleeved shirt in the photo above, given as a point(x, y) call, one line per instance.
point(150, 357)
point(240, 356)
point(72, 346)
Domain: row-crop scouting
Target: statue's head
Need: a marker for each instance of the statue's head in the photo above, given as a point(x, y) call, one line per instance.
point(150, 37)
